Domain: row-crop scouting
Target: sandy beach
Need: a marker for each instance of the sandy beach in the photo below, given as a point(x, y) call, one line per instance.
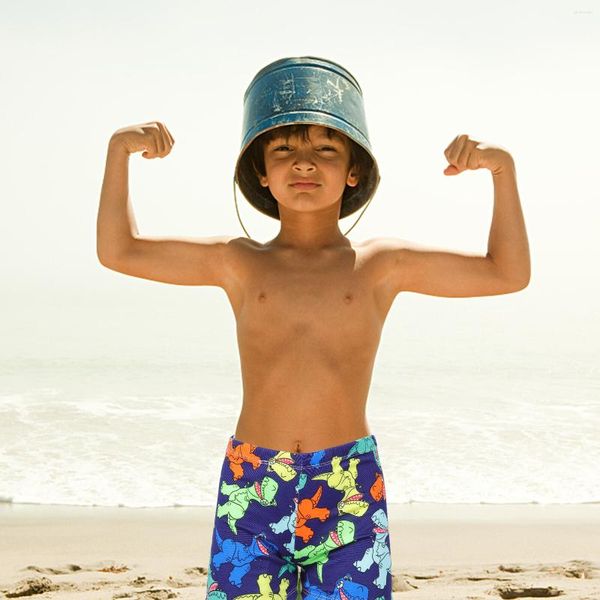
point(438, 551)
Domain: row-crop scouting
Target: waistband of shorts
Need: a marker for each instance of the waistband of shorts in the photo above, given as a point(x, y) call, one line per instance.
point(360, 446)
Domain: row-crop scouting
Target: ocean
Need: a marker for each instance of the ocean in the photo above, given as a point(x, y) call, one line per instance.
point(147, 432)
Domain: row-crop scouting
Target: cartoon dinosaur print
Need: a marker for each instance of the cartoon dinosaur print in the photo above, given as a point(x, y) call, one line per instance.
point(344, 589)
point(307, 509)
point(377, 490)
point(301, 482)
point(340, 536)
point(243, 452)
point(316, 457)
point(345, 481)
point(379, 553)
point(264, 589)
point(212, 588)
point(287, 523)
point(288, 566)
point(295, 522)
point(283, 464)
point(241, 556)
point(363, 446)
point(263, 492)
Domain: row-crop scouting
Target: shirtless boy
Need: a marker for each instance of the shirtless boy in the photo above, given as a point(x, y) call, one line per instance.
point(301, 498)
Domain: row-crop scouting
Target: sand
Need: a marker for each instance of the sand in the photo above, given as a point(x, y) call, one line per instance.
point(443, 552)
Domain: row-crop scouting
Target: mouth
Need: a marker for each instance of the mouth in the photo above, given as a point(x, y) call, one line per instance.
point(262, 547)
point(335, 537)
point(305, 186)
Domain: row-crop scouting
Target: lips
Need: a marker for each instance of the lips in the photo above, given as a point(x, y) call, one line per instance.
point(305, 185)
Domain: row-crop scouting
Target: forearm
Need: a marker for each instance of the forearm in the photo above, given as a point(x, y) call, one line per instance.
point(115, 226)
point(508, 245)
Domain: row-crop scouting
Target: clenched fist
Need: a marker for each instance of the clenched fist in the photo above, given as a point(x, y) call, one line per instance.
point(464, 153)
point(153, 138)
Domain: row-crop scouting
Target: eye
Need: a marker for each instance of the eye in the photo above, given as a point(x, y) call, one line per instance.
point(285, 147)
point(328, 149)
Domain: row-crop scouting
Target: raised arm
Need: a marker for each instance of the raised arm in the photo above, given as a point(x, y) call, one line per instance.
point(505, 268)
point(182, 261)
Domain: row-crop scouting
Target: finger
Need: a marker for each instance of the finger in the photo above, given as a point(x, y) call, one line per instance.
point(449, 148)
point(158, 136)
point(455, 148)
point(166, 140)
point(171, 139)
point(466, 148)
point(473, 160)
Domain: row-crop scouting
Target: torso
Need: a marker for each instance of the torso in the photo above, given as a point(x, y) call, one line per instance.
point(308, 329)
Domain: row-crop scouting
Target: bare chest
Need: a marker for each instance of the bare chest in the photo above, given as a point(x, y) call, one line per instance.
point(329, 301)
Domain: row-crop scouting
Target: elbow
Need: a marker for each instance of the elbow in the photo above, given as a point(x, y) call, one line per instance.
point(105, 259)
point(516, 285)
point(109, 254)
point(101, 254)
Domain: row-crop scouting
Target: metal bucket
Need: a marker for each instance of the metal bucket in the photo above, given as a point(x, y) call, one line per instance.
point(307, 90)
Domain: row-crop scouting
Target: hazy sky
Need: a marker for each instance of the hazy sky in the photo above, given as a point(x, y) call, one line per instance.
point(524, 75)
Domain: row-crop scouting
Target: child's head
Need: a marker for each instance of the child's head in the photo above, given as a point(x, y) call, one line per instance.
point(306, 100)
point(357, 160)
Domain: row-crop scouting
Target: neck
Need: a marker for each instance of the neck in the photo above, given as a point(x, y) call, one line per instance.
point(309, 240)
point(308, 232)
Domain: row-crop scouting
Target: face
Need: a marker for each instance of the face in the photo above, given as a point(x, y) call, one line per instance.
point(322, 161)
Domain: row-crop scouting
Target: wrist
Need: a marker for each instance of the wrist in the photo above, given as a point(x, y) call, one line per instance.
point(503, 169)
point(115, 146)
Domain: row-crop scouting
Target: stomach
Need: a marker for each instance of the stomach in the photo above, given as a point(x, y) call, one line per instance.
point(276, 426)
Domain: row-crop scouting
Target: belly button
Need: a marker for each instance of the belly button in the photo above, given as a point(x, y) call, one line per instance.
point(262, 297)
point(348, 298)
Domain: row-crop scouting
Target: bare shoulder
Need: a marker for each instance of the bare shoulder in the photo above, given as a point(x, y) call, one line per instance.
point(240, 255)
point(384, 252)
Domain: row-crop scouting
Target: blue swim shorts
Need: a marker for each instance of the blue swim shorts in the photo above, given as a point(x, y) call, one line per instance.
point(310, 525)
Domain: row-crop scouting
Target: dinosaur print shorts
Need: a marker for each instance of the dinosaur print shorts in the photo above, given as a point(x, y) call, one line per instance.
point(294, 525)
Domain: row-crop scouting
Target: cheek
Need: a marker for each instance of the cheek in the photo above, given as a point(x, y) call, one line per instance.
point(274, 171)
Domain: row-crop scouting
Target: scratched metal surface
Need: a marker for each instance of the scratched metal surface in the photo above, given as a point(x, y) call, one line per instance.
point(301, 90)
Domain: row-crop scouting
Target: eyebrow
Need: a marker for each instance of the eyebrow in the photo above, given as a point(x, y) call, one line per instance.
point(321, 138)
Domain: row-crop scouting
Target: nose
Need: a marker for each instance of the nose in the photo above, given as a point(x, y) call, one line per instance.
point(303, 162)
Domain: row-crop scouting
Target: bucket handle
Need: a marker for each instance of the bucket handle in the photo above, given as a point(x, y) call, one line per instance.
point(248, 235)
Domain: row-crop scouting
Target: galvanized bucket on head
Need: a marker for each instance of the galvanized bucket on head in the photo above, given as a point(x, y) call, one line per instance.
point(310, 90)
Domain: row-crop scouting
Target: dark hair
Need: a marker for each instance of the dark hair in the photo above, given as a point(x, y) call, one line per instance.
point(256, 149)
point(359, 157)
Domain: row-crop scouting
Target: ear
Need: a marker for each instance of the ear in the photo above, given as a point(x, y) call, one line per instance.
point(352, 179)
point(262, 179)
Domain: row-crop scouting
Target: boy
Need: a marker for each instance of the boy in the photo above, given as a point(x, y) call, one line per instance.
point(301, 499)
